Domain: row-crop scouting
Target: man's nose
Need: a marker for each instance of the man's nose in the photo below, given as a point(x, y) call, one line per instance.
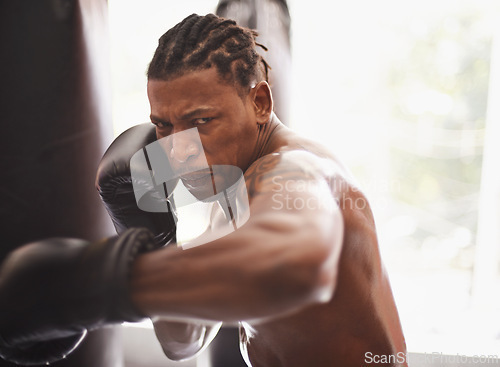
point(184, 148)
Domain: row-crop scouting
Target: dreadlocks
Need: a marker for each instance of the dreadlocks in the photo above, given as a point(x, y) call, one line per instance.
point(200, 42)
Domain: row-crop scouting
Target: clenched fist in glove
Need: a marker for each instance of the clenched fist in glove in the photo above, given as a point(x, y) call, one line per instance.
point(116, 186)
point(53, 291)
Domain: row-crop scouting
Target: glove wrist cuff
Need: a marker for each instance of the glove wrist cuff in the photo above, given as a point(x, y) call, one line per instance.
point(128, 246)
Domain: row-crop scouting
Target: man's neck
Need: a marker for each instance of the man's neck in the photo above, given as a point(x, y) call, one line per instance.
point(267, 138)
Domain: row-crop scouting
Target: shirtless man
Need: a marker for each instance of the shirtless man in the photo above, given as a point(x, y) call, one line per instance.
point(302, 276)
point(304, 272)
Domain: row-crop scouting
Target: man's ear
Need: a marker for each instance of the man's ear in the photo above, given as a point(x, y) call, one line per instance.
point(262, 102)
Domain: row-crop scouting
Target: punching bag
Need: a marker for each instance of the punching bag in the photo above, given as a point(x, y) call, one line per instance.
point(271, 19)
point(55, 123)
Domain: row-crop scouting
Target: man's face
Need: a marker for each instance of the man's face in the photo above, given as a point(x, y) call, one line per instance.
point(225, 122)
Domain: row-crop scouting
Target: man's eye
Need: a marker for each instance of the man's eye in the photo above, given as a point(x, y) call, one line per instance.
point(202, 120)
point(161, 125)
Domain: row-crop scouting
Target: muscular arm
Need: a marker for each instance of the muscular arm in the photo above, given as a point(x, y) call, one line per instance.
point(284, 258)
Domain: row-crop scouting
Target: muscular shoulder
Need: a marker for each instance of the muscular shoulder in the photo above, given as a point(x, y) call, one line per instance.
point(297, 170)
point(294, 165)
point(301, 163)
point(298, 164)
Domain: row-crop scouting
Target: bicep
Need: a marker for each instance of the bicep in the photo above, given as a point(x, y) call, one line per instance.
point(293, 206)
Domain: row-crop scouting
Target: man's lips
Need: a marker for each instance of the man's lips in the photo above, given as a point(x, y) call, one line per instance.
point(197, 179)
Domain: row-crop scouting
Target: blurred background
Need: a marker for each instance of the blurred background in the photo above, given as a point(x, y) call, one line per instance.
point(407, 95)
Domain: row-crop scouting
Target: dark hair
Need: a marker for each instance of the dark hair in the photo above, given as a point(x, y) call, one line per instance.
point(200, 42)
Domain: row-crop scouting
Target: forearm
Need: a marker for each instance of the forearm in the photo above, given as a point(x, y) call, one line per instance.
point(255, 272)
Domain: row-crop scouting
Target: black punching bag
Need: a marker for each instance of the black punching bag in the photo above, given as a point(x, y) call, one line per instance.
point(271, 19)
point(54, 125)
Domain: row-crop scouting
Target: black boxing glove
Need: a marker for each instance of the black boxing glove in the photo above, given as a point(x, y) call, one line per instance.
point(115, 185)
point(53, 291)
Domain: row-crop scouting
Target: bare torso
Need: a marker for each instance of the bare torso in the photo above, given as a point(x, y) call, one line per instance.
point(307, 285)
point(361, 317)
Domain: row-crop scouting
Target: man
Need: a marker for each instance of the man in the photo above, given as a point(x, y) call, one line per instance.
point(302, 275)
